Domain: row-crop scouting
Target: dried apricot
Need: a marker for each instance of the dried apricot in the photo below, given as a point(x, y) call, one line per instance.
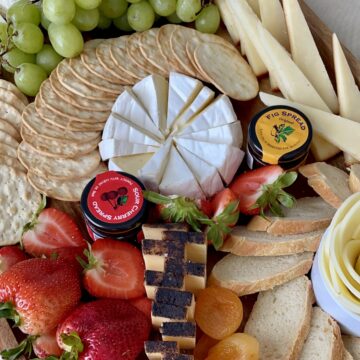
point(203, 346)
point(218, 312)
point(239, 346)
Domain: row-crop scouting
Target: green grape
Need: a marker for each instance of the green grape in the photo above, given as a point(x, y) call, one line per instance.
point(174, 19)
point(45, 22)
point(208, 21)
point(59, 11)
point(104, 22)
point(141, 16)
point(113, 8)
point(86, 20)
point(28, 38)
point(122, 23)
point(88, 4)
point(133, 1)
point(48, 58)
point(29, 77)
point(23, 11)
point(3, 33)
point(186, 10)
point(14, 58)
point(163, 7)
point(66, 39)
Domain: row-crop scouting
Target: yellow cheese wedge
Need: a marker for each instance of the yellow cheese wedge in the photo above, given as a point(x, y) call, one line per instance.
point(130, 164)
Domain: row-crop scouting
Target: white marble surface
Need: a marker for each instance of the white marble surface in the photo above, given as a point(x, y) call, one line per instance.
point(341, 17)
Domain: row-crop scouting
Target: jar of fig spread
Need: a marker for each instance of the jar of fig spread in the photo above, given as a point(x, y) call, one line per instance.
point(278, 135)
point(113, 206)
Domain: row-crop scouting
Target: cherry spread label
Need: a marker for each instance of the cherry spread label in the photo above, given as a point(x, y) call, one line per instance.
point(115, 198)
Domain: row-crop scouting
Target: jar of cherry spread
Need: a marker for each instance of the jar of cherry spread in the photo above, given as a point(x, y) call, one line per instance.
point(113, 206)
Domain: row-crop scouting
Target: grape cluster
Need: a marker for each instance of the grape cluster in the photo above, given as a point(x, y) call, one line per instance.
point(24, 53)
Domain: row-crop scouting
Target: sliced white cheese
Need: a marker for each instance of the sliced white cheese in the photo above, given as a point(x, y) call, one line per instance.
point(206, 174)
point(178, 178)
point(341, 132)
point(152, 92)
point(130, 109)
point(182, 92)
point(306, 54)
point(219, 112)
point(203, 99)
point(255, 6)
point(110, 148)
point(348, 92)
point(225, 158)
point(230, 134)
point(118, 128)
point(130, 164)
point(152, 173)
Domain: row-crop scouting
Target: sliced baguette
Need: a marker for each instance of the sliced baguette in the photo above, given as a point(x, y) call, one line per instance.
point(250, 274)
point(309, 214)
point(347, 355)
point(280, 319)
point(244, 242)
point(331, 183)
point(354, 179)
point(324, 339)
point(352, 345)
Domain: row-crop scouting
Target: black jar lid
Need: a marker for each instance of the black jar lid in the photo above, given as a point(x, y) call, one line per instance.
point(280, 134)
point(113, 201)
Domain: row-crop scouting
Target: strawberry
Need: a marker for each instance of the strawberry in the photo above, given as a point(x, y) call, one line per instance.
point(71, 254)
point(50, 229)
point(262, 188)
point(115, 269)
point(143, 304)
point(205, 206)
point(104, 329)
point(9, 256)
point(46, 345)
point(221, 200)
point(38, 293)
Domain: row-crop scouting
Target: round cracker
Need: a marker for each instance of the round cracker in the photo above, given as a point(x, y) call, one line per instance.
point(7, 85)
point(103, 54)
point(19, 201)
point(79, 87)
point(57, 168)
point(9, 129)
point(92, 44)
point(38, 125)
point(56, 147)
point(8, 150)
point(229, 72)
point(12, 162)
point(10, 114)
point(69, 190)
point(63, 108)
point(7, 139)
point(12, 99)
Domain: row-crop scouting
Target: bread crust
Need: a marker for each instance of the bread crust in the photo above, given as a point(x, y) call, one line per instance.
point(354, 180)
point(321, 187)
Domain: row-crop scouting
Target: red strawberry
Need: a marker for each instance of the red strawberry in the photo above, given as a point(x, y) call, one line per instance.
point(39, 293)
point(9, 256)
point(262, 188)
point(46, 345)
point(50, 230)
point(115, 270)
point(205, 206)
point(70, 254)
point(221, 200)
point(104, 329)
point(143, 304)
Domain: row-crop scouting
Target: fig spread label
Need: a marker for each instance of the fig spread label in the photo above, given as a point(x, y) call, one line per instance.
point(115, 198)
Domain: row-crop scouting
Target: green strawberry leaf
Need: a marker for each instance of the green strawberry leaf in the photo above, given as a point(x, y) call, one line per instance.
point(24, 348)
point(286, 179)
point(7, 311)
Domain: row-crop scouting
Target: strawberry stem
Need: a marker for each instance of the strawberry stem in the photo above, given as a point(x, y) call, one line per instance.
point(8, 311)
point(24, 348)
point(72, 345)
point(31, 224)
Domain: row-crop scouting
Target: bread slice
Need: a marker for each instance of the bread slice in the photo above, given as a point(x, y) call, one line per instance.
point(324, 339)
point(347, 355)
point(331, 183)
point(250, 274)
point(354, 179)
point(309, 214)
point(280, 319)
point(244, 242)
point(352, 345)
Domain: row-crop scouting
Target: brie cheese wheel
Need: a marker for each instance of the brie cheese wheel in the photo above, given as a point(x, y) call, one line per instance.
point(174, 136)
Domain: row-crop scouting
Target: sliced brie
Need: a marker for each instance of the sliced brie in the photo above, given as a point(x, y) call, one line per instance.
point(182, 92)
point(219, 112)
point(152, 92)
point(206, 174)
point(178, 178)
point(131, 110)
point(230, 134)
point(110, 148)
point(152, 173)
point(119, 129)
point(203, 99)
point(225, 158)
point(130, 164)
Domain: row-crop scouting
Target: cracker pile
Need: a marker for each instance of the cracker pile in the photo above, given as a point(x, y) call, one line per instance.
point(62, 129)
